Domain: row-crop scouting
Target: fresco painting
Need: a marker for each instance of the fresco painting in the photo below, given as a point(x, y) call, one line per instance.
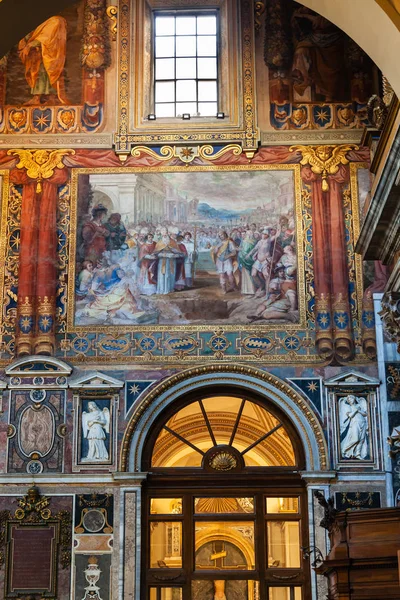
point(184, 248)
point(44, 67)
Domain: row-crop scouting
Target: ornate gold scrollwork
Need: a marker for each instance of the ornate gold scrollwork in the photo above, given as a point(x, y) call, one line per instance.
point(187, 154)
point(390, 315)
point(112, 14)
point(259, 10)
point(324, 160)
point(40, 164)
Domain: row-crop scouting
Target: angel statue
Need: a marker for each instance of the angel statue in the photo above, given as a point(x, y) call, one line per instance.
point(353, 415)
point(94, 425)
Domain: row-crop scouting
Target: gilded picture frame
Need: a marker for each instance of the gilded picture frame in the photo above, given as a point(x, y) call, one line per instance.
point(259, 326)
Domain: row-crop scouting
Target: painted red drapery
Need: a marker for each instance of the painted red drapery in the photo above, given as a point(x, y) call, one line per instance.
point(332, 307)
point(37, 285)
point(38, 255)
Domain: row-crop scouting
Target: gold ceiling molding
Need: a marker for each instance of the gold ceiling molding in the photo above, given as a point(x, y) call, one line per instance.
point(231, 369)
point(40, 164)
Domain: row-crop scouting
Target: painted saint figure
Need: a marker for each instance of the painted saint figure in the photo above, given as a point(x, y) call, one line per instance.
point(224, 256)
point(190, 258)
point(95, 425)
point(95, 235)
point(353, 414)
point(43, 53)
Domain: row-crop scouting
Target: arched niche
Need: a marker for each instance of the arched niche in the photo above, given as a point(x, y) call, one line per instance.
point(215, 380)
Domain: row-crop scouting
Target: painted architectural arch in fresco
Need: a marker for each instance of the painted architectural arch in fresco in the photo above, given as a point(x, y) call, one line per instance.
point(186, 248)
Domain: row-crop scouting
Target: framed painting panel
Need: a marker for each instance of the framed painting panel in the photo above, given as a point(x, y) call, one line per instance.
point(186, 249)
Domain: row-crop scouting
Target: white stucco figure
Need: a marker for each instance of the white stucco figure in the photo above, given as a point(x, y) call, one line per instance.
point(95, 424)
point(353, 413)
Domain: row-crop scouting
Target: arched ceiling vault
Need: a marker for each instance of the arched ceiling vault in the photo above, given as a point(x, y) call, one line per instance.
point(373, 24)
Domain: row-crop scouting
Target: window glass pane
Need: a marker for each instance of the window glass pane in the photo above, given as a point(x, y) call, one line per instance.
point(224, 545)
point(166, 506)
point(186, 46)
point(167, 593)
point(207, 91)
point(222, 410)
point(283, 593)
point(186, 90)
point(186, 107)
point(165, 68)
point(277, 447)
point(165, 545)
point(165, 91)
point(207, 68)
point(283, 544)
point(208, 109)
point(225, 589)
point(185, 25)
point(207, 45)
point(206, 25)
point(165, 46)
point(185, 68)
point(165, 110)
point(165, 25)
point(224, 505)
point(282, 505)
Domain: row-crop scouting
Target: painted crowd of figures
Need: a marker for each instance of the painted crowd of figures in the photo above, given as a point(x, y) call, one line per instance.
point(122, 266)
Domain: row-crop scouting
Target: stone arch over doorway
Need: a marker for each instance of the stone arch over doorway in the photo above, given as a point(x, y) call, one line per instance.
point(245, 380)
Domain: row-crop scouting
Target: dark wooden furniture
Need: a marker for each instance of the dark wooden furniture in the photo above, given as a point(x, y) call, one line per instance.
point(363, 563)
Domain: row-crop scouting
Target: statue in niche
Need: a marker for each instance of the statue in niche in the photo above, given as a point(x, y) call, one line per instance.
point(43, 53)
point(353, 415)
point(95, 425)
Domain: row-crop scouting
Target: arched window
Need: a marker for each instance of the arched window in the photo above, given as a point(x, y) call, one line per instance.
point(224, 511)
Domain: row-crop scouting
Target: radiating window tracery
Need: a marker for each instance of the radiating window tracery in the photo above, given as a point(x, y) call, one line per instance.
point(253, 432)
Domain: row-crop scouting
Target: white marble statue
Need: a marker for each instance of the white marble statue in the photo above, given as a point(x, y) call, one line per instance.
point(353, 415)
point(95, 424)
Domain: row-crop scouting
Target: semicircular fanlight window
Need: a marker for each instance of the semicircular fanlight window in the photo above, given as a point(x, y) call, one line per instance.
point(253, 432)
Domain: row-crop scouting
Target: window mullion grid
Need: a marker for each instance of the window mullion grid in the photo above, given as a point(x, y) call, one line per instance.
point(197, 70)
point(175, 79)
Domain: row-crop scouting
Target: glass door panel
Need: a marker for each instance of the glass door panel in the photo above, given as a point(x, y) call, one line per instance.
point(224, 545)
point(285, 593)
point(166, 593)
point(220, 589)
point(283, 544)
point(165, 545)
